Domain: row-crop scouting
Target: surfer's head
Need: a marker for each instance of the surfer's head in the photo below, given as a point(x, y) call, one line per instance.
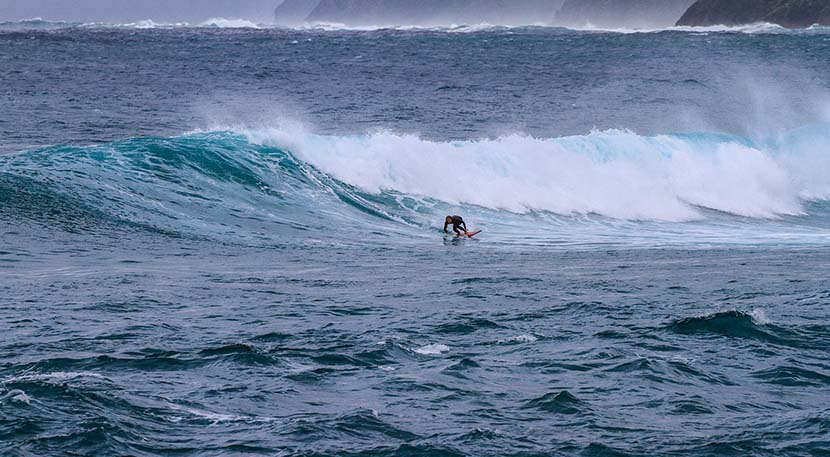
point(448, 220)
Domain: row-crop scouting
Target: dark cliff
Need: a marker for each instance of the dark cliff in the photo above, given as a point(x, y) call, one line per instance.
point(788, 13)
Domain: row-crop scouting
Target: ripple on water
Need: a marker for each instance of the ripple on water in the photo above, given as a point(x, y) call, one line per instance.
point(558, 403)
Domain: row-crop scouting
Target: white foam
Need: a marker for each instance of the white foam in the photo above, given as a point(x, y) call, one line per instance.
point(231, 23)
point(144, 24)
point(755, 28)
point(216, 418)
point(759, 317)
point(56, 377)
point(614, 173)
point(221, 22)
point(17, 396)
point(524, 338)
point(20, 397)
point(322, 26)
point(433, 349)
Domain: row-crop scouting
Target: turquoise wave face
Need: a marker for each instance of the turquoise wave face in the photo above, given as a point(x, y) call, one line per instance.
point(215, 185)
point(268, 187)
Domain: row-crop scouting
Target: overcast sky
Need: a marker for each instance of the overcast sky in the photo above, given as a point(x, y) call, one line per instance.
point(119, 11)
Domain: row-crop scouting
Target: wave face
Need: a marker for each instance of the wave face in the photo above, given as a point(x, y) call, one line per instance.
point(267, 184)
point(214, 185)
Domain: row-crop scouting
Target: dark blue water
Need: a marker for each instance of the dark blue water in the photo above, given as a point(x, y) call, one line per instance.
point(228, 242)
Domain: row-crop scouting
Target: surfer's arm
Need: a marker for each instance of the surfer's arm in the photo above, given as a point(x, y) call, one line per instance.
point(445, 227)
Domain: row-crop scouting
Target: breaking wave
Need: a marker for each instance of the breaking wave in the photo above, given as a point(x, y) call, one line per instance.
point(239, 23)
point(266, 184)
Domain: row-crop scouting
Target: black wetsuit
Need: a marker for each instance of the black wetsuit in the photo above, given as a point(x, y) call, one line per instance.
point(457, 223)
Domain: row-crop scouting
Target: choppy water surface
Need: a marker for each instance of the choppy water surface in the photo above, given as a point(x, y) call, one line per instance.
point(228, 242)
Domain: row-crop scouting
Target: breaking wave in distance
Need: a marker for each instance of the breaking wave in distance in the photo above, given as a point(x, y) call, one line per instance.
point(240, 23)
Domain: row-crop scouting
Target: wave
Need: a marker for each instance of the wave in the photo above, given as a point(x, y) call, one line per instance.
point(215, 185)
point(450, 28)
point(758, 28)
point(616, 174)
point(223, 23)
point(432, 349)
point(149, 24)
point(216, 22)
point(240, 23)
point(266, 185)
point(143, 24)
point(727, 323)
point(36, 23)
point(752, 325)
point(558, 403)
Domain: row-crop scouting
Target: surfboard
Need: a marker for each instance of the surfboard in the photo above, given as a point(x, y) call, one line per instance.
point(472, 234)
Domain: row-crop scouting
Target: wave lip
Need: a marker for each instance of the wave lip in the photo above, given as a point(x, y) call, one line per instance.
point(231, 23)
point(558, 403)
point(793, 377)
point(616, 174)
point(752, 326)
point(727, 323)
point(432, 349)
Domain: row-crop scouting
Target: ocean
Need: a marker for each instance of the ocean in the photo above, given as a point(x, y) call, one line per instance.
point(227, 239)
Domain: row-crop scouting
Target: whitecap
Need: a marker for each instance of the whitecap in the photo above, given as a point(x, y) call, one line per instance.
point(523, 338)
point(433, 349)
point(230, 23)
point(17, 396)
point(759, 317)
point(615, 173)
point(56, 377)
point(216, 418)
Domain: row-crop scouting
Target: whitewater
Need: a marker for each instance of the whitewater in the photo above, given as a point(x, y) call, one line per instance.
point(226, 239)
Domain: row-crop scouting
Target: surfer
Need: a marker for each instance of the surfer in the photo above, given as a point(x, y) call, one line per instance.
point(457, 223)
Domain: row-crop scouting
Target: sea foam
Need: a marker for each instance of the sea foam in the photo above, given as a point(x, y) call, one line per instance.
point(615, 173)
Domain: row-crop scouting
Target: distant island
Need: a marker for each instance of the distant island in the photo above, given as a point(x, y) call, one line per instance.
point(631, 14)
point(787, 13)
point(635, 14)
point(423, 12)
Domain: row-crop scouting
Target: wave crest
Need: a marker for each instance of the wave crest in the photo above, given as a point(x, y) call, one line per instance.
point(616, 174)
point(612, 186)
point(240, 23)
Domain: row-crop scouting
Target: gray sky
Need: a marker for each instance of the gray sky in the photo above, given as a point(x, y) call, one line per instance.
point(119, 11)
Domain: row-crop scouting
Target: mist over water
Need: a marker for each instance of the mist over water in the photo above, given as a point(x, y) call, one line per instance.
point(226, 239)
point(129, 11)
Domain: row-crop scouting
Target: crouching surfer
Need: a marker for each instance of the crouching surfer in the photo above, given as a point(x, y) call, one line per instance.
point(457, 224)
